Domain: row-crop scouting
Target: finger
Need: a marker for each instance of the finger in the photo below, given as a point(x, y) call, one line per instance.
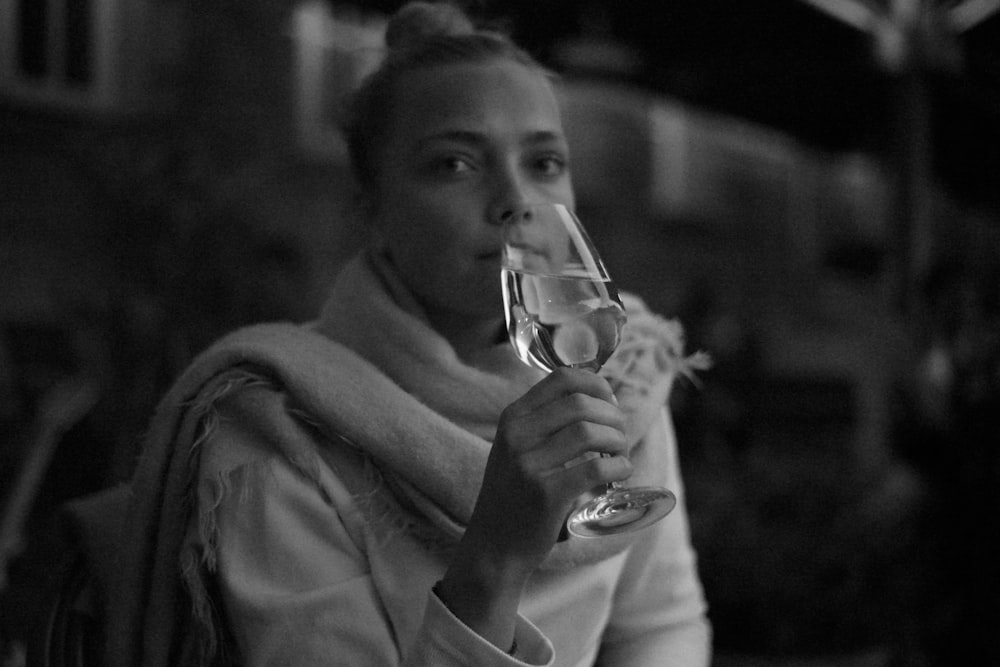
point(573, 408)
point(575, 442)
point(565, 381)
point(585, 474)
point(564, 429)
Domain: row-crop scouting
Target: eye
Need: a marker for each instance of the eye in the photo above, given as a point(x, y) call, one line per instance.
point(551, 165)
point(453, 164)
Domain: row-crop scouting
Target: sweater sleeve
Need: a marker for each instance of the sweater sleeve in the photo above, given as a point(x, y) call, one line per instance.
point(659, 615)
point(292, 573)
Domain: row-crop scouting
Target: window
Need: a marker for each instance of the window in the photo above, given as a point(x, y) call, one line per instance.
point(54, 41)
point(80, 55)
point(32, 39)
point(335, 48)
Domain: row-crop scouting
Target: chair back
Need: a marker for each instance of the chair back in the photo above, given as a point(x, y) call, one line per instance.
point(72, 634)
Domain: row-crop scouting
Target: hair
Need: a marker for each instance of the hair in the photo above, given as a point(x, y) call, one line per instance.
point(420, 35)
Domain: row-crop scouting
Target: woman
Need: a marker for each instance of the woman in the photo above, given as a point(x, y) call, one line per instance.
point(388, 485)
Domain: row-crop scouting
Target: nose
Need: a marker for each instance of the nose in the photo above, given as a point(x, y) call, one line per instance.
point(510, 194)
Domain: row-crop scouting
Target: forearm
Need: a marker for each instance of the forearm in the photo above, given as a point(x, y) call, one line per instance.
point(483, 590)
point(444, 641)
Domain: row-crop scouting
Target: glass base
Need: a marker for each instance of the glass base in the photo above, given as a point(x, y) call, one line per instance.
point(621, 510)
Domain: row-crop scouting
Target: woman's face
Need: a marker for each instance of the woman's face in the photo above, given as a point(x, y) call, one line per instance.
point(465, 144)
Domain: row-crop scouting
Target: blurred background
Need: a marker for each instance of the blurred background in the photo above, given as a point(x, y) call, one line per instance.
point(811, 186)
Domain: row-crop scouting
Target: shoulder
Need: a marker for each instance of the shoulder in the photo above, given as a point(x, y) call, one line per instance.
point(255, 442)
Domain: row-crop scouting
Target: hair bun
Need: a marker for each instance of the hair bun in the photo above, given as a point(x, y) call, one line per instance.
point(418, 21)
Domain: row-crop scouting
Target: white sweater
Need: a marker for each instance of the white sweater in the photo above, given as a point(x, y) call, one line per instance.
point(308, 579)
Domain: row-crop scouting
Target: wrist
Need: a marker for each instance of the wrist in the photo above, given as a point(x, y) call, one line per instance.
point(512, 651)
point(478, 580)
point(485, 596)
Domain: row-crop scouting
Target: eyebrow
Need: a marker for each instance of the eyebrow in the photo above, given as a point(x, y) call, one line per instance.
point(480, 139)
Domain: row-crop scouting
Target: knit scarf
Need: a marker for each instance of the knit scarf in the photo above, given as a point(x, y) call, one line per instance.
point(373, 373)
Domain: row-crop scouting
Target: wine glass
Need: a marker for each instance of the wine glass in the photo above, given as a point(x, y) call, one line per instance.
point(563, 310)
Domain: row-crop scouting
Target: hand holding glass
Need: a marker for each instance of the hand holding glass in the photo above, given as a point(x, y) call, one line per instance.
point(563, 310)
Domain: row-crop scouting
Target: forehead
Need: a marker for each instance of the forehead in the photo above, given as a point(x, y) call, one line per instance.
point(488, 98)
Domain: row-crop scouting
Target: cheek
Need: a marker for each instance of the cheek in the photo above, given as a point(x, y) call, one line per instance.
point(402, 227)
point(426, 228)
point(431, 238)
point(419, 250)
point(424, 245)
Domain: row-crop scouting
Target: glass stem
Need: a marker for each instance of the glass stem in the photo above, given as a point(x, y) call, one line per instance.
point(611, 486)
